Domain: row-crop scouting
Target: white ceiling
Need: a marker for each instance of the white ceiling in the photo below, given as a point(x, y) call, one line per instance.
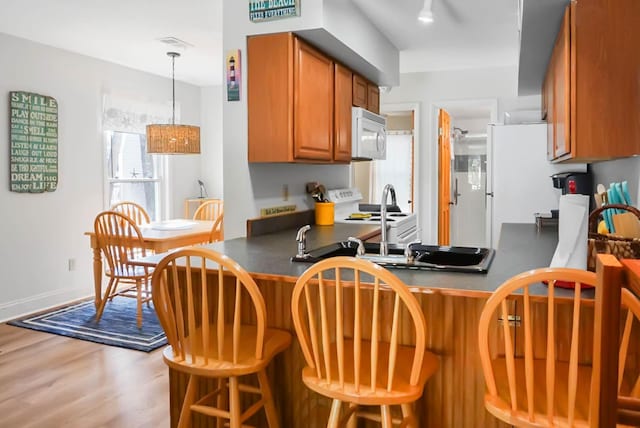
point(126, 32)
point(465, 34)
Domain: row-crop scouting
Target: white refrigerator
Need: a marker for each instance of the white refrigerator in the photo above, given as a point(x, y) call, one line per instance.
point(519, 176)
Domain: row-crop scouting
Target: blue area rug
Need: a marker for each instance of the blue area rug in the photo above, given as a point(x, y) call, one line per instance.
point(117, 327)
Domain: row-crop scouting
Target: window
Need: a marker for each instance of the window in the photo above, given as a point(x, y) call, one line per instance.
point(132, 174)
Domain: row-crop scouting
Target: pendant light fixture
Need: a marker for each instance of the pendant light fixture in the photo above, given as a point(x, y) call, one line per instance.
point(425, 14)
point(172, 138)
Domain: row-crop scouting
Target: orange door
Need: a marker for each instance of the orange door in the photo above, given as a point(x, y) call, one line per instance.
point(444, 177)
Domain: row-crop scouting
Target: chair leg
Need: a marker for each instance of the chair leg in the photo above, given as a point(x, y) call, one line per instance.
point(104, 300)
point(234, 403)
point(334, 417)
point(139, 299)
point(385, 413)
point(352, 422)
point(269, 406)
point(112, 293)
point(189, 398)
point(408, 417)
point(221, 400)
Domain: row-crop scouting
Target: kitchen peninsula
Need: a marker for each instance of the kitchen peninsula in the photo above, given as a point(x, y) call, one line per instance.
point(451, 302)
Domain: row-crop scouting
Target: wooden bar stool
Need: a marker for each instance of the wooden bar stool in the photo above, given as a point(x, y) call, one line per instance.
point(350, 333)
point(548, 381)
point(204, 301)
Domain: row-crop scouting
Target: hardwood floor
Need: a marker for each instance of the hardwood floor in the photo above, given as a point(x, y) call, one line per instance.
point(48, 380)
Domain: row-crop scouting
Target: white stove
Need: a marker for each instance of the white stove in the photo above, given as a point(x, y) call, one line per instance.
point(402, 227)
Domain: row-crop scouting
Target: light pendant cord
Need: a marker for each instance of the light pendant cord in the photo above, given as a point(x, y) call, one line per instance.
point(173, 56)
point(173, 87)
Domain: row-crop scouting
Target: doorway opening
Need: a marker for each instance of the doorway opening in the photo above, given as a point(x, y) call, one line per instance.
point(466, 219)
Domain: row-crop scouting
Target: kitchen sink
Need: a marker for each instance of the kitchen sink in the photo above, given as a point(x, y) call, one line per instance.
point(420, 256)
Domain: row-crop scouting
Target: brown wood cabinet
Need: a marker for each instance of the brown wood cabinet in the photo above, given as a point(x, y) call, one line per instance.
point(365, 94)
point(360, 91)
point(591, 90)
point(556, 93)
point(342, 113)
point(312, 103)
point(299, 102)
point(373, 98)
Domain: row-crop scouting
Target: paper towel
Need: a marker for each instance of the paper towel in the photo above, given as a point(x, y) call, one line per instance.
point(572, 232)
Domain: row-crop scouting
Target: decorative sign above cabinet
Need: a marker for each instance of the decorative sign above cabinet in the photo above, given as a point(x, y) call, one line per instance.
point(34, 142)
point(268, 10)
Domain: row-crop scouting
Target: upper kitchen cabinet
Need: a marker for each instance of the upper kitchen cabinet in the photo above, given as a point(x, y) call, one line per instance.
point(591, 91)
point(295, 95)
point(343, 81)
point(365, 94)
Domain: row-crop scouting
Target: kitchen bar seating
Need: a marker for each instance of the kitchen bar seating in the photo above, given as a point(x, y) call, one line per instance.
point(351, 357)
point(202, 299)
point(120, 241)
point(546, 385)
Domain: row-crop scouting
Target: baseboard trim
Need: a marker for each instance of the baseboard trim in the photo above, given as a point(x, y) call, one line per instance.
point(39, 303)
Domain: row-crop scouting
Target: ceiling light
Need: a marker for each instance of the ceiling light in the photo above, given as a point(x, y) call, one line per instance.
point(425, 14)
point(172, 138)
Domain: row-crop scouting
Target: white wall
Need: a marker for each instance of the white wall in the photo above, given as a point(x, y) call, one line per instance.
point(434, 87)
point(41, 232)
point(211, 132)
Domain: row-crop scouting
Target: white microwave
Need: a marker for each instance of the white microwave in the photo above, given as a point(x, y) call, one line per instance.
point(369, 137)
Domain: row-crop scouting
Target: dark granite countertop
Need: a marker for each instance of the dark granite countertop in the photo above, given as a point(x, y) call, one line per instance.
point(522, 247)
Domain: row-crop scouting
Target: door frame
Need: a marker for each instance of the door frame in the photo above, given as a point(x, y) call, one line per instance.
point(415, 107)
point(432, 147)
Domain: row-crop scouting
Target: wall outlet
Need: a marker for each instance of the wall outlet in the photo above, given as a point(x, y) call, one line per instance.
point(72, 264)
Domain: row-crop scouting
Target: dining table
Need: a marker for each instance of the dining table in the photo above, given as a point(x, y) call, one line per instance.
point(158, 237)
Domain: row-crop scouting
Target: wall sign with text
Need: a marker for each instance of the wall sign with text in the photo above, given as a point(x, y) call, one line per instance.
point(268, 10)
point(34, 142)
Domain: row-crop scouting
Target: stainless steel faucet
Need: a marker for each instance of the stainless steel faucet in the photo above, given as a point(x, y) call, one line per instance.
point(384, 245)
point(301, 238)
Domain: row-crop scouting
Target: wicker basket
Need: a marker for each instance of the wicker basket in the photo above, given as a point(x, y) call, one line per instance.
point(622, 248)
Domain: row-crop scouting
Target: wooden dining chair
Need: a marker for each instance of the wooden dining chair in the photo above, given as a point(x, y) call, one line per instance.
point(204, 301)
point(133, 210)
point(217, 231)
point(120, 241)
point(615, 384)
point(546, 379)
point(209, 210)
point(349, 316)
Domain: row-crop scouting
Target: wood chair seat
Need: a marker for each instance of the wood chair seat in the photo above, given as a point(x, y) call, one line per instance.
point(275, 341)
point(129, 272)
point(402, 392)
